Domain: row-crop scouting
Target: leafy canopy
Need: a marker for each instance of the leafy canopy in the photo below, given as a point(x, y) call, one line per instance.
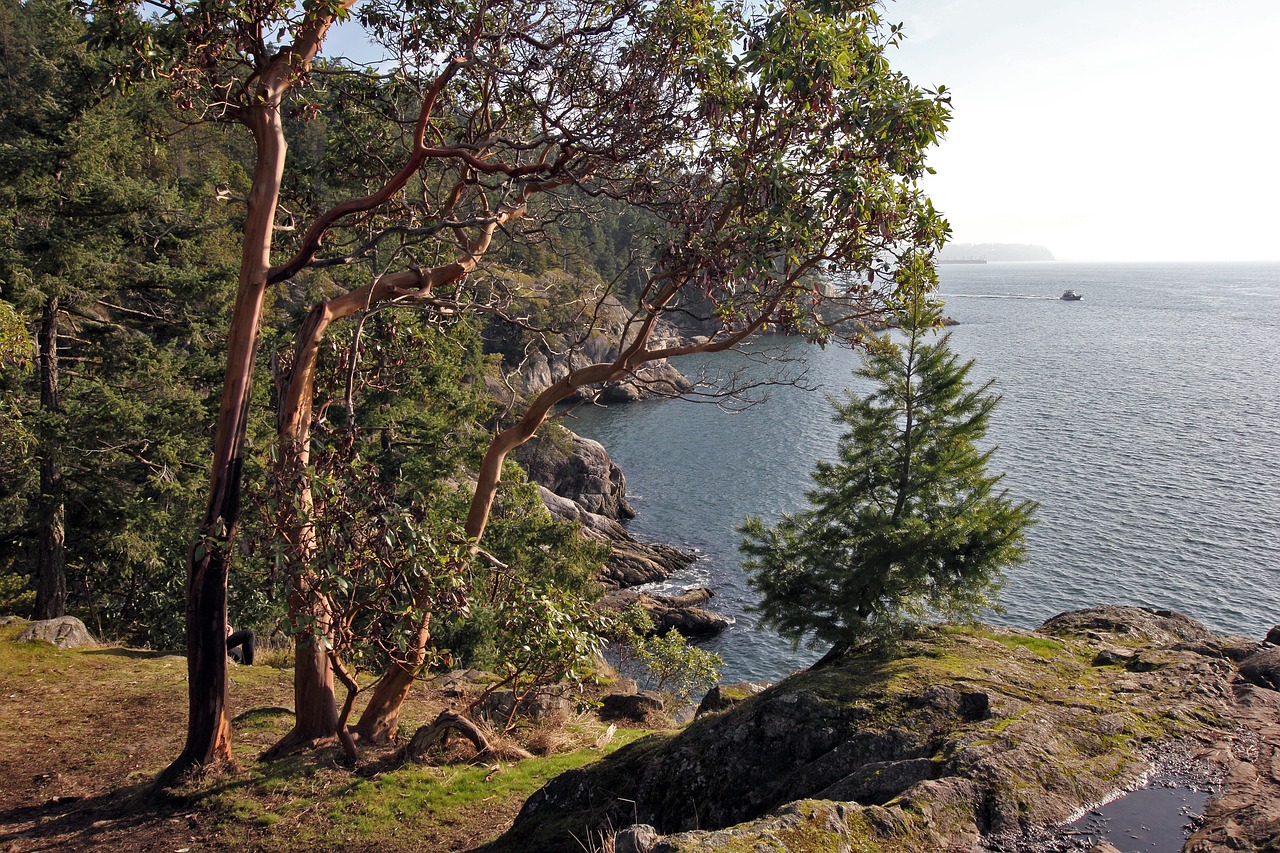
point(907, 522)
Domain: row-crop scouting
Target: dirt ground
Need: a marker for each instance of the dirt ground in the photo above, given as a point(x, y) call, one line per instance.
point(84, 735)
point(85, 732)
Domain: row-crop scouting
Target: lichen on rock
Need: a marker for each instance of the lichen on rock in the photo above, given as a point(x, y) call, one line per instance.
point(961, 735)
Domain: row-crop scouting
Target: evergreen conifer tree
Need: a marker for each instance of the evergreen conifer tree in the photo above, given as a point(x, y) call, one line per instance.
point(907, 522)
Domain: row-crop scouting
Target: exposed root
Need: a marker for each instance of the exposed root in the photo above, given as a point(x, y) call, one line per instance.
point(437, 732)
point(295, 742)
point(184, 777)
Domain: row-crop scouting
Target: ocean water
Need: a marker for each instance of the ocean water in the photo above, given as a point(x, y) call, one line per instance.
point(1145, 419)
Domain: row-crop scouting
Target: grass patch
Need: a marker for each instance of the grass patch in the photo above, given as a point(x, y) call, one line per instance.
point(87, 730)
point(1042, 646)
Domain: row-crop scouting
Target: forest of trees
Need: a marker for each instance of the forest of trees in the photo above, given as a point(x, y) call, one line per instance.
point(251, 301)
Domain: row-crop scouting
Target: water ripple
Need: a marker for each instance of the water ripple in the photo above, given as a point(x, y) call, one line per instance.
point(1144, 419)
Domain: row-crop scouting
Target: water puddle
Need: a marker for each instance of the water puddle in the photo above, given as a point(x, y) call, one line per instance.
point(1157, 819)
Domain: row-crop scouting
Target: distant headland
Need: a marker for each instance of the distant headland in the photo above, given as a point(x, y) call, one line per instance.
point(960, 253)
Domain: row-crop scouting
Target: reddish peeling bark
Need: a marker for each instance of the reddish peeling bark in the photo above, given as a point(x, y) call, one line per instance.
point(316, 721)
point(208, 740)
point(380, 721)
point(208, 730)
point(316, 716)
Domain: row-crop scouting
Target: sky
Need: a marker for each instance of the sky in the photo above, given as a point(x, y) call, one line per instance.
point(1124, 130)
point(1105, 130)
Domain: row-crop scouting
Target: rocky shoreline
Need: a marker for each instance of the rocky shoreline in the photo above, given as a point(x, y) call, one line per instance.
point(964, 739)
point(578, 482)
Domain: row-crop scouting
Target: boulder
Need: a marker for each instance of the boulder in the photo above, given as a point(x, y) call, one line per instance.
point(546, 704)
point(66, 632)
point(722, 697)
point(633, 707)
point(1273, 636)
point(1128, 625)
point(1262, 668)
point(497, 708)
point(541, 704)
point(655, 380)
point(1113, 656)
point(639, 838)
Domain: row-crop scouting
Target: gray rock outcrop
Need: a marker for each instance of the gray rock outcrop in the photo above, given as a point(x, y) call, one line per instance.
point(680, 613)
point(631, 707)
point(66, 632)
point(1262, 668)
point(963, 736)
point(583, 472)
point(541, 368)
point(632, 562)
point(722, 697)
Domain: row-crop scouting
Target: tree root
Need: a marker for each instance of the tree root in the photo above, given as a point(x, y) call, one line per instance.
point(437, 732)
point(295, 742)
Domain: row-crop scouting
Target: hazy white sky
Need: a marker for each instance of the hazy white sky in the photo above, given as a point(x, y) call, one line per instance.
point(1106, 129)
point(1103, 129)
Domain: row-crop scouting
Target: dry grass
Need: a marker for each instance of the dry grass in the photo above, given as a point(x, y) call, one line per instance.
point(88, 730)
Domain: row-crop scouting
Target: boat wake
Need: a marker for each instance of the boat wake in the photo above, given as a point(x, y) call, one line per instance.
point(998, 296)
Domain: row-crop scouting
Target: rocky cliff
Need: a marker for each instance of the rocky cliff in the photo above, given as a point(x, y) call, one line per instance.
point(576, 468)
point(531, 369)
point(963, 739)
point(579, 482)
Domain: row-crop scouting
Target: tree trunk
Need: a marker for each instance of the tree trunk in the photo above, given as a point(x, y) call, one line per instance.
point(208, 729)
point(51, 557)
point(310, 614)
point(381, 718)
point(315, 718)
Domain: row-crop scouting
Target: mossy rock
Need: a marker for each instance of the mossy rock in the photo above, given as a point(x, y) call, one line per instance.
point(960, 733)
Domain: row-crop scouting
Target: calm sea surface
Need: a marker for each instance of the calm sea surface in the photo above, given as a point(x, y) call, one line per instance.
point(1145, 419)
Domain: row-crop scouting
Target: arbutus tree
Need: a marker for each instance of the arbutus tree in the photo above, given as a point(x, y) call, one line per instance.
point(538, 99)
point(239, 62)
point(788, 203)
point(235, 62)
point(774, 147)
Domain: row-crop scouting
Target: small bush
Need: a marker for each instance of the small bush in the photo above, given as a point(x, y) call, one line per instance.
point(665, 664)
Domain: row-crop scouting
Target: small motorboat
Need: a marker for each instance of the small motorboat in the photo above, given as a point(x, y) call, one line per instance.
point(1071, 296)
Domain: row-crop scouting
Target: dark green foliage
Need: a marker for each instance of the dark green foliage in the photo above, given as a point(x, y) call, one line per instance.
point(907, 523)
point(665, 663)
point(541, 557)
point(120, 228)
point(396, 424)
point(389, 470)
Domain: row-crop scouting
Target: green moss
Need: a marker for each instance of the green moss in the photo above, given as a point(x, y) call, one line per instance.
point(1076, 734)
point(735, 693)
point(1042, 646)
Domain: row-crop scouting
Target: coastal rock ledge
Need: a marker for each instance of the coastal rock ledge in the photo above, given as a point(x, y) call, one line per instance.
point(965, 739)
